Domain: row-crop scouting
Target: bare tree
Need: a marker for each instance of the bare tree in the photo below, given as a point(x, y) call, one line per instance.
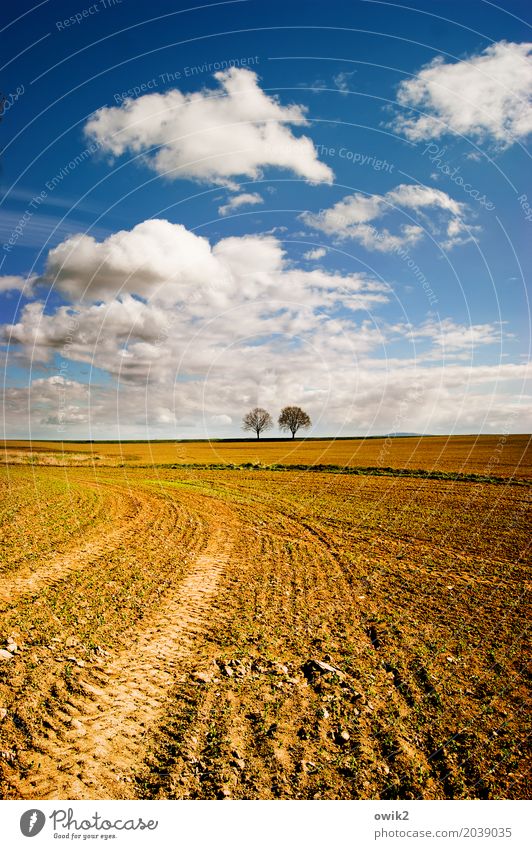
point(292, 418)
point(257, 420)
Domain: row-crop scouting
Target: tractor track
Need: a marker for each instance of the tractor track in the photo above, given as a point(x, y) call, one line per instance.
point(131, 515)
point(94, 743)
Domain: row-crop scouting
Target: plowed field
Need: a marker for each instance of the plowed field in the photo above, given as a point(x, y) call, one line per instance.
point(250, 633)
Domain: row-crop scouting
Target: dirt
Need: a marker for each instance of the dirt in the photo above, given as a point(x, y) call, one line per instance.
point(93, 745)
point(169, 648)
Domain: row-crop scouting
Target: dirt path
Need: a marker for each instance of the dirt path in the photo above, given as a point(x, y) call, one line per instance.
point(96, 742)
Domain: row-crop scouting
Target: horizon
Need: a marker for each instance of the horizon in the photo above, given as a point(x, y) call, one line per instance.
point(253, 439)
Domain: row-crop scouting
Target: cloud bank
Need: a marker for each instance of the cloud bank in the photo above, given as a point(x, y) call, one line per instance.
point(188, 332)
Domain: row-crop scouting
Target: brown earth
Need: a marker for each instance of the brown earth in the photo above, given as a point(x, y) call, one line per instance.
point(165, 620)
point(498, 455)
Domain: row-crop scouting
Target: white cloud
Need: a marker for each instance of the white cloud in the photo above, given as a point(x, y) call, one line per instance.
point(51, 401)
point(451, 338)
point(420, 197)
point(245, 199)
point(350, 218)
point(168, 265)
point(154, 257)
point(187, 354)
point(317, 253)
point(211, 135)
point(382, 240)
point(486, 96)
point(316, 87)
point(17, 283)
point(342, 81)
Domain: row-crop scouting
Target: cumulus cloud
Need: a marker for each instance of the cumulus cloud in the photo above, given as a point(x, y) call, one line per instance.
point(350, 218)
point(168, 265)
point(139, 298)
point(155, 256)
point(488, 96)
point(317, 253)
point(418, 197)
point(245, 199)
point(211, 135)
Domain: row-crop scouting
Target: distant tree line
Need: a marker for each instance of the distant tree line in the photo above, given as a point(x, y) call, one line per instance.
point(290, 419)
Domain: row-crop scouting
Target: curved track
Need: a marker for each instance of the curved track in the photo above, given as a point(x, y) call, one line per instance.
point(95, 744)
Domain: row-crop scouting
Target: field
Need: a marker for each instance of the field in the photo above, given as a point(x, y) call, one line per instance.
point(185, 620)
point(487, 455)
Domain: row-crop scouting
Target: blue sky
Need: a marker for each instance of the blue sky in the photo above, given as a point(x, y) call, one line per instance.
point(259, 204)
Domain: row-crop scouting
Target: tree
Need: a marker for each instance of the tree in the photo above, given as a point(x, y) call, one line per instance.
point(292, 418)
point(257, 420)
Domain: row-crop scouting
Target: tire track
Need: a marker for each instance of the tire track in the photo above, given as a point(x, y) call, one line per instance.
point(132, 510)
point(96, 742)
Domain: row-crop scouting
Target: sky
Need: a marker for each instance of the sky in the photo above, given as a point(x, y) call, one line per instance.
point(207, 209)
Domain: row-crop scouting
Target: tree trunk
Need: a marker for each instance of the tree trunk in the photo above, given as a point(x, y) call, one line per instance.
point(258, 434)
point(293, 434)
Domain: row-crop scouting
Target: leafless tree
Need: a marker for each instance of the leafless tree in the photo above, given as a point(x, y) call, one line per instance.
point(257, 420)
point(292, 418)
